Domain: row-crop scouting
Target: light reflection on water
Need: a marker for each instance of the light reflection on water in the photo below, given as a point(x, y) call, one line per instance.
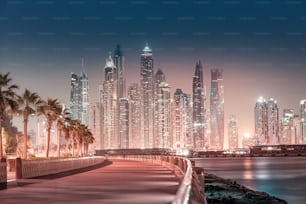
point(284, 177)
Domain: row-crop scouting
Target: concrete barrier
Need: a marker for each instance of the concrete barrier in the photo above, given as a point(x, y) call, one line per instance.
point(3, 174)
point(36, 168)
point(191, 186)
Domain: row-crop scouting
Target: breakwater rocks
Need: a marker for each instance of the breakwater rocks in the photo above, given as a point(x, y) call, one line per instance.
point(226, 191)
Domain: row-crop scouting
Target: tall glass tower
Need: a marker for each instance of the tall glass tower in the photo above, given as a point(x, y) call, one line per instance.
point(110, 106)
point(199, 109)
point(233, 142)
point(216, 110)
point(134, 106)
point(79, 96)
point(162, 111)
point(147, 98)
point(119, 62)
point(302, 138)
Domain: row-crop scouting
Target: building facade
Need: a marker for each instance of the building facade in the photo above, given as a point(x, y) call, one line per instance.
point(134, 105)
point(302, 134)
point(79, 96)
point(147, 98)
point(233, 134)
point(199, 108)
point(162, 111)
point(124, 123)
point(216, 110)
point(110, 106)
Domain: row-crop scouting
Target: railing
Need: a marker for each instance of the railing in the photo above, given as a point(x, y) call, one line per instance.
point(3, 174)
point(36, 168)
point(181, 167)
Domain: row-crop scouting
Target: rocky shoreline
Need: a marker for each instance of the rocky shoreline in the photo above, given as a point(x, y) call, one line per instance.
point(226, 191)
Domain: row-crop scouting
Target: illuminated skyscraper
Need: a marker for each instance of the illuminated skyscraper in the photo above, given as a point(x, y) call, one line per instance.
point(162, 111)
point(217, 110)
point(147, 98)
point(79, 98)
point(182, 120)
point(124, 123)
point(110, 104)
point(119, 62)
point(273, 122)
point(266, 122)
point(199, 108)
point(302, 138)
point(95, 124)
point(75, 97)
point(289, 131)
point(134, 105)
point(261, 122)
point(233, 136)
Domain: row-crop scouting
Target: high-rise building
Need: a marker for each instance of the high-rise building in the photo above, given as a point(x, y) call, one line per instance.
point(289, 127)
point(147, 98)
point(134, 105)
point(233, 136)
point(79, 97)
point(119, 62)
point(261, 122)
point(216, 110)
point(273, 122)
point(124, 123)
point(199, 108)
point(95, 121)
point(266, 122)
point(162, 111)
point(75, 97)
point(110, 106)
point(302, 135)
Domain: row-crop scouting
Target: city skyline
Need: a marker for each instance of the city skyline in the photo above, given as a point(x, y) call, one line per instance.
point(259, 45)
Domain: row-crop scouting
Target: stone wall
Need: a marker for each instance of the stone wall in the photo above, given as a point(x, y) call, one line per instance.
point(36, 168)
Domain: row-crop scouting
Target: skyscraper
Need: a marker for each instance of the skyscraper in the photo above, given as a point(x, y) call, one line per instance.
point(302, 138)
point(124, 123)
point(217, 110)
point(273, 122)
point(110, 106)
point(199, 108)
point(79, 97)
point(84, 96)
point(288, 133)
point(233, 136)
point(134, 105)
point(266, 122)
point(147, 98)
point(162, 111)
point(119, 62)
point(261, 122)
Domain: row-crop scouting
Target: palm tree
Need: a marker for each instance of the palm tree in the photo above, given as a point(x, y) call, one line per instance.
point(27, 102)
point(59, 125)
point(7, 100)
point(75, 126)
point(88, 139)
point(50, 109)
point(67, 128)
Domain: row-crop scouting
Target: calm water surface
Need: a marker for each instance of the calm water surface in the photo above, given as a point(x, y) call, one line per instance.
point(283, 177)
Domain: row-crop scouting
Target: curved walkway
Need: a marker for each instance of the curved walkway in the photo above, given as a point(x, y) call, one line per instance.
point(122, 181)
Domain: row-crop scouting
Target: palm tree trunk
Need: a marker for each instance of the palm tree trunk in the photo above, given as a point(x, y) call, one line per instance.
point(67, 146)
point(58, 141)
point(25, 135)
point(48, 142)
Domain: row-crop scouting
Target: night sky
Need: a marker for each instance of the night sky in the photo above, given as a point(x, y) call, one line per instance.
point(260, 45)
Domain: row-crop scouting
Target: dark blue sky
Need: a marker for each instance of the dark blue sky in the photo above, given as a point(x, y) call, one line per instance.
point(260, 44)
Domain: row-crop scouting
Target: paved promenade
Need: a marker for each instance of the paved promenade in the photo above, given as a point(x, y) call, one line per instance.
point(119, 182)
